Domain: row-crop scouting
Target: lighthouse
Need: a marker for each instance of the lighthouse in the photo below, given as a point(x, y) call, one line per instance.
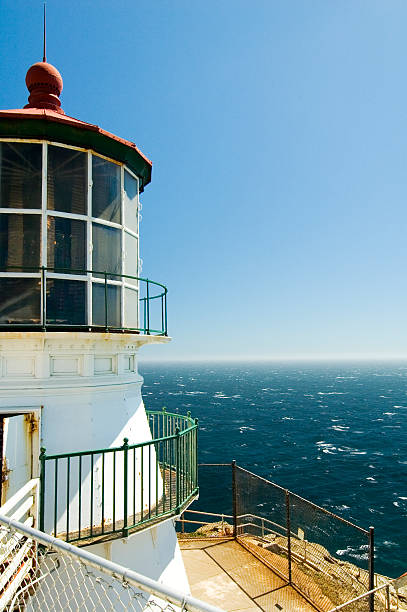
point(74, 313)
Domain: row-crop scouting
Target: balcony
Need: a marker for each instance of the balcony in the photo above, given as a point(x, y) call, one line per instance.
point(101, 494)
point(70, 299)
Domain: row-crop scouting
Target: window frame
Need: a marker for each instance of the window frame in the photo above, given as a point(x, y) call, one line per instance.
point(89, 220)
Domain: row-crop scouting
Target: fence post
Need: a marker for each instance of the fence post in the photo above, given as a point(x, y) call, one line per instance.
point(288, 520)
point(196, 453)
point(177, 475)
point(125, 484)
point(42, 488)
point(388, 598)
point(371, 568)
point(234, 495)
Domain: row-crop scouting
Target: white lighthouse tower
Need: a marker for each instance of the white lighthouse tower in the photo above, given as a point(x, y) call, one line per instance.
point(74, 313)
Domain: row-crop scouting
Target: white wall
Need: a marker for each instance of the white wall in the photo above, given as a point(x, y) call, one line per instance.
point(90, 393)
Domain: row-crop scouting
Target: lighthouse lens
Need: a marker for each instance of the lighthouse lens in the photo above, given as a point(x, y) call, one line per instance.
point(19, 242)
point(67, 180)
point(20, 301)
point(20, 175)
point(66, 245)
point(66, 303)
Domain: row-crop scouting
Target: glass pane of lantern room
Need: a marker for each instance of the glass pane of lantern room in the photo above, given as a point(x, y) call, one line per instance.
point(66, 244)
point(131, 308)
point(20, 175)
point(105, 190)
point(130, 257)
point(20, 242)
point(130, 201)
point(66, 302)
point(67, 180)
point(20, 300)
point(106, 305)
point(107, 249)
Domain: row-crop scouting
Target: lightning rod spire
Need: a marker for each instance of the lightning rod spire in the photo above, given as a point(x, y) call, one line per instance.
point(44, 59)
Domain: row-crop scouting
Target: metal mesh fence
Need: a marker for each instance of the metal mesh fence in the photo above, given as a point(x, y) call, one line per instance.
point(212, 513)
point(382, 599)
point(36, 576)
point(320, 554)
point(328, 551)
point(324, 557)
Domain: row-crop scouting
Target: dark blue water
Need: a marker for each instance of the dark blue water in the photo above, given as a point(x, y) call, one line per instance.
point(335, 434)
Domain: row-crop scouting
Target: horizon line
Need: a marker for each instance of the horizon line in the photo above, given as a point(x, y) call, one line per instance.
point(280, 358)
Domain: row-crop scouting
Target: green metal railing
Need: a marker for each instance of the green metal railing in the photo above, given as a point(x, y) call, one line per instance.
point(45, 310)
point(91, 494)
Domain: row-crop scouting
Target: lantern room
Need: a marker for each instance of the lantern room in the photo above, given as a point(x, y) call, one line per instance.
point(69, 220)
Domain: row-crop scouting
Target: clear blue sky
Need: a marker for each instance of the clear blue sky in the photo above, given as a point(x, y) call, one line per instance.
point(278, 131)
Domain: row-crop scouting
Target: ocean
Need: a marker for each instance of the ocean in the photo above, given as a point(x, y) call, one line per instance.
point(332, 433)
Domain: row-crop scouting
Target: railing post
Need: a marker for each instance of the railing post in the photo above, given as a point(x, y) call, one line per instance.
point(388, 601)
point(148, 307)
point(42, 488)
point(165, 314)
point(162, 313)
point(288, 521)
point(44, 299)
point(234, 498)
point(125, 484)
point(196, 453)
point(177, 475)
point(371, 568)
point(106, 311)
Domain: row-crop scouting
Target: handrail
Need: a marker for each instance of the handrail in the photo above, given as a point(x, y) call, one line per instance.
point(112, 449)
point(94, 493)
point(368, 596)
point(307, 501)
point(100, 277)
point(12, 502)
point(153, 587)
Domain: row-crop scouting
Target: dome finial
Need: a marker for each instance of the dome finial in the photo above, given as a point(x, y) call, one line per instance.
point(45, 86)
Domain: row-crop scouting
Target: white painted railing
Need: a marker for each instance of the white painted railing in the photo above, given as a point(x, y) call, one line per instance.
point(71, 578)
point(23, 504)
point(18, 553)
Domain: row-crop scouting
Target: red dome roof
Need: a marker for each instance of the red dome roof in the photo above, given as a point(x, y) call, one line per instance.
point(45, 86)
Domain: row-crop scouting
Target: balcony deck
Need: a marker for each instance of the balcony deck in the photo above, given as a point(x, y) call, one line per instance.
point(96, 495)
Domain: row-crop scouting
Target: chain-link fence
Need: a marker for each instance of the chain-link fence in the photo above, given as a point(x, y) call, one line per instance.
point(382, 599)
point(327, 559)
point(212, 513)
point(38, 572)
